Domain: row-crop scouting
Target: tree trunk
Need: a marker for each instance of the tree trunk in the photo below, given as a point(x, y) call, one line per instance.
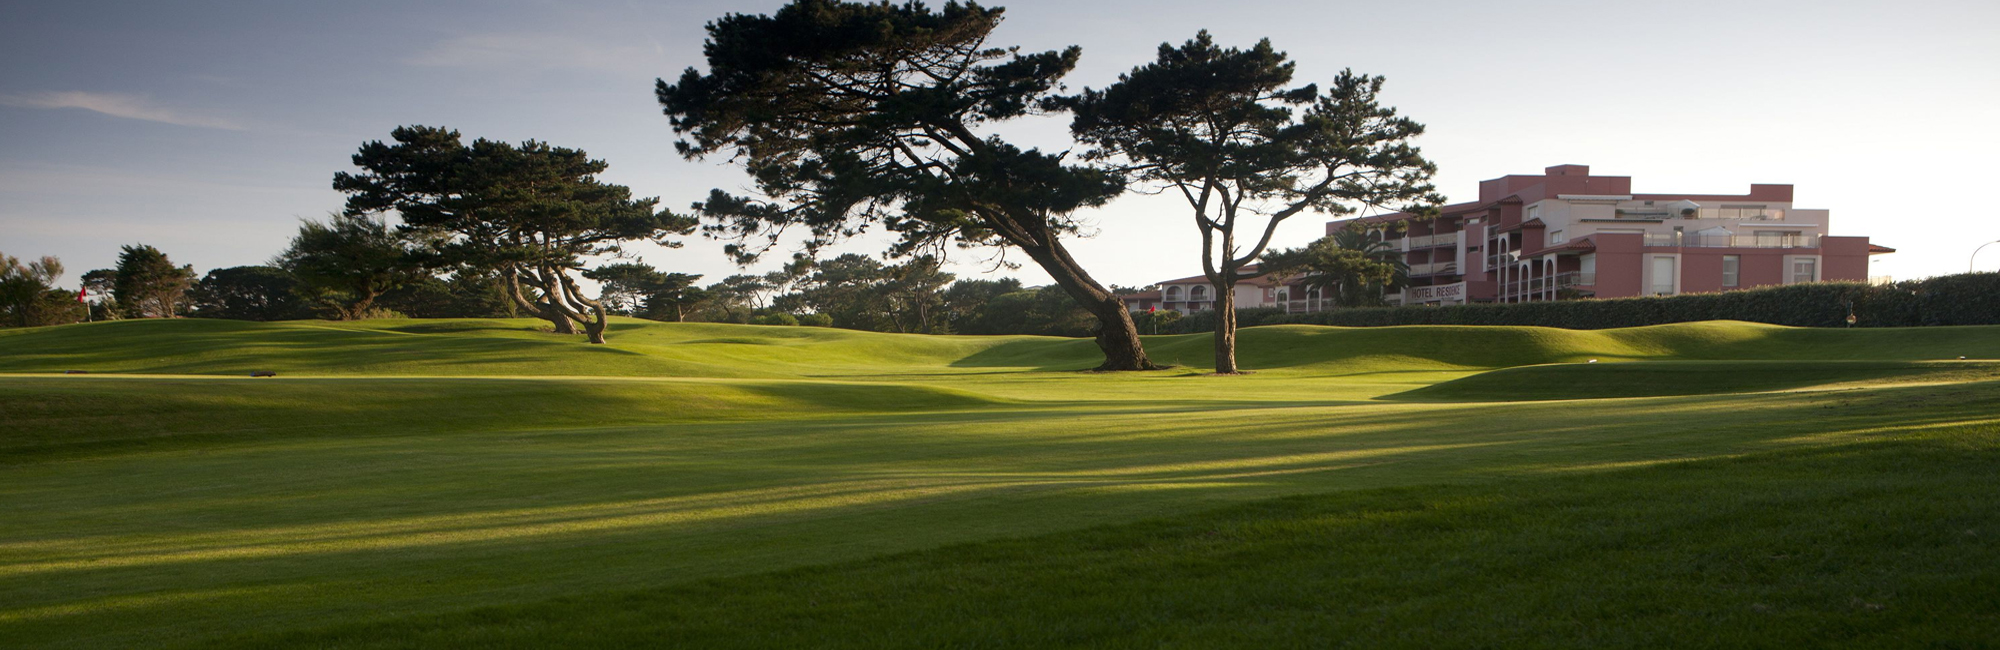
point(545, 310)
point(1117, 336)
point(1225, 324)
point(563, 325)
point(359, 309)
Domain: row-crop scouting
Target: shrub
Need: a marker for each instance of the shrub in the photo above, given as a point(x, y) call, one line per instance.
point(815, 320)
point(1162, 321)
point(779, 318)
point(1204, 321)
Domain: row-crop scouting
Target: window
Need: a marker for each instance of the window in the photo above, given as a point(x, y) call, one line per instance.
point(1805, 269)
point(1174, 294)
point(1730, 264)
point(1534, 212)
point(1555, 237)
point(1198, 293)
point(1663, 275)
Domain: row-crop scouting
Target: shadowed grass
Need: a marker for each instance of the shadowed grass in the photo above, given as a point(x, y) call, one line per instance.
point(1804, 548)
point(479, 483)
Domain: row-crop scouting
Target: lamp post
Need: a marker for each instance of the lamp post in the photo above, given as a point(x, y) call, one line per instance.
point(1975, 254)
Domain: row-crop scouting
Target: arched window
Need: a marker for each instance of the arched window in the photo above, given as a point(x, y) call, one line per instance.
point(1174, 294)
point(1198, 293)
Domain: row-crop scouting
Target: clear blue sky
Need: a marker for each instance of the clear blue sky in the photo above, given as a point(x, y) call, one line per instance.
point(209, 128)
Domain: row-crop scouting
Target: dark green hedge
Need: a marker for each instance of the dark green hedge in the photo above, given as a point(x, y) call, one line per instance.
point(1967, 299)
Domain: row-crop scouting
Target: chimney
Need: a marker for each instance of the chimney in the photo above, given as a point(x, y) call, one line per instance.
point(1567, 170)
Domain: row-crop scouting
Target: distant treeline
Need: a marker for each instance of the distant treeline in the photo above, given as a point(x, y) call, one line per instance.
point(915, 296)
point(850, 291)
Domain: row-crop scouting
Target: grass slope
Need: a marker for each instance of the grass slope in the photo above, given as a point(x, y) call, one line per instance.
point(1658, 378)
point(505, 347)
point(410, 483)
point(1803, 548)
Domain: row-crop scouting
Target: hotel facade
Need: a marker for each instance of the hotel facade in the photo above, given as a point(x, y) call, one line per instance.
point(1255, 289)
point(1567, 234)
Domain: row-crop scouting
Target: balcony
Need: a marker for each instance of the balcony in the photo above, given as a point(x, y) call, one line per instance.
point(1787, 240)
point(1745, 214)
point(1431, 241)
point(1575, 279)
point(1739, 214)
point(1435, 268)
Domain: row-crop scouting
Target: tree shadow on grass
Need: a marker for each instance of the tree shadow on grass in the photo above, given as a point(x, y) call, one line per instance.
point(606, 511)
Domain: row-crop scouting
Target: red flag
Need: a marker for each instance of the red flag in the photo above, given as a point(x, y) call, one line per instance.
point(79, 294)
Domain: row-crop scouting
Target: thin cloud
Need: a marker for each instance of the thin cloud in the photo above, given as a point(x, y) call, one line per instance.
point(534, 51)
point(131, 107)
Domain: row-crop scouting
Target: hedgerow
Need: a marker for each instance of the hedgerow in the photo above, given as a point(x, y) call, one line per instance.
point(1965, 299)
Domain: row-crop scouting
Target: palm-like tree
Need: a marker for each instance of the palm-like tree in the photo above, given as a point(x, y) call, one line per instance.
point(1351, 265)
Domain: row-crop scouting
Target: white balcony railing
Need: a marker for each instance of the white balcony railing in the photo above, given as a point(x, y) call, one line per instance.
point(1741, 214)
point(1575, 278)
point(1434, 268)
point(1692, 240)
point(1430, 241)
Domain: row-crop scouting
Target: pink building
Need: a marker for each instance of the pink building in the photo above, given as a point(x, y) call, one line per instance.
point(1568, 234)
point(1255, 289)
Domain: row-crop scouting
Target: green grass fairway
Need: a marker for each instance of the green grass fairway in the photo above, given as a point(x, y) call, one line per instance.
point(480, 484)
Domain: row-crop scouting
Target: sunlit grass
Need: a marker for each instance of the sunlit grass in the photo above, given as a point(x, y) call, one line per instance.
point(382, 483)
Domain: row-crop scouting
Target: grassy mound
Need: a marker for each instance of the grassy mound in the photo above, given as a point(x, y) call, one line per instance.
point(648, 349)
point(473, 347)
point(1658, 378)
point(96, 414)
point(476, 482)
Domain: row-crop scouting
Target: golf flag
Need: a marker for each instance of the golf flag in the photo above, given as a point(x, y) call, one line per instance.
point(80, 294)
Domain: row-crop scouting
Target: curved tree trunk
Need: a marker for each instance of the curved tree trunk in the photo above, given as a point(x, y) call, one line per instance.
point(546, 310)
point(1225, 324)
point(1117, 336)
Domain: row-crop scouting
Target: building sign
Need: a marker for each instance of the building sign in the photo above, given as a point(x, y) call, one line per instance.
point(1454, 292)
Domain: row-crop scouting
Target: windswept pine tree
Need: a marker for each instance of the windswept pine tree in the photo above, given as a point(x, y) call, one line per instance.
point(1224, 129)
point(533, 212)
point(851, 116)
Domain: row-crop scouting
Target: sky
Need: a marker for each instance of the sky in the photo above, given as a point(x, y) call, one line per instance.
point(209, 129)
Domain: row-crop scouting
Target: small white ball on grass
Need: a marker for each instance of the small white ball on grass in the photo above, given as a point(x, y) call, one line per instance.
point(1593, 361)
